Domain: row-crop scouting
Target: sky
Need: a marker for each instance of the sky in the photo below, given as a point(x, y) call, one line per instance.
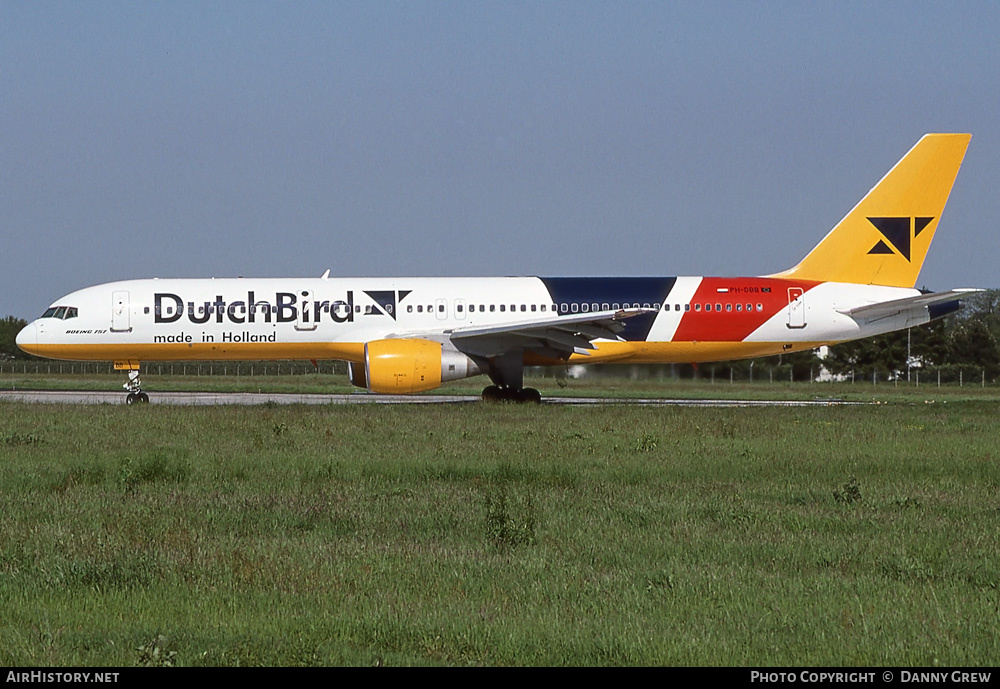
point(270, 139)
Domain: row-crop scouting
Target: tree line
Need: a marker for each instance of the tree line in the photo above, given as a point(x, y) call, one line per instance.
point(967, 338)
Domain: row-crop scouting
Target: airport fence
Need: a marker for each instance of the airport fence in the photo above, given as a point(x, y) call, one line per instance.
point(719, 373)
point(744, 372)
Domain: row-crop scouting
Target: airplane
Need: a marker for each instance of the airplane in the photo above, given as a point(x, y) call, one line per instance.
point(410, 335)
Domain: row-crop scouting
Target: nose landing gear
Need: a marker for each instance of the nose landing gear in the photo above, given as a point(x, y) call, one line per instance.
point(134, 387)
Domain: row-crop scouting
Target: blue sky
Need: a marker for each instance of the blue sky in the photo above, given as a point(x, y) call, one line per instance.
point(144, 139)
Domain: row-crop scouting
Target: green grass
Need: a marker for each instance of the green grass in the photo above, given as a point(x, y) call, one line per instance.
point(500, 535)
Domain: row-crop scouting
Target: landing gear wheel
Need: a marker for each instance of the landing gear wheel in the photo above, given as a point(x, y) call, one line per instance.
point(529, 395)
point(495, 393)
point(492, 394)
point(132, 398)
point(143, 397)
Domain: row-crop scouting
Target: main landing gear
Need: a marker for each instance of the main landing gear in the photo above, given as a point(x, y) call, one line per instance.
point(507, 373)
point(495, 393)
point(134, 387)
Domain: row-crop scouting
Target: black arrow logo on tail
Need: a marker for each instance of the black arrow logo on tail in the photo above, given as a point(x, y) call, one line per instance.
point(899, 232)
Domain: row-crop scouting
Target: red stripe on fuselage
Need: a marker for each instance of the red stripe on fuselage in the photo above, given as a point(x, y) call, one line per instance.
point(732, 324)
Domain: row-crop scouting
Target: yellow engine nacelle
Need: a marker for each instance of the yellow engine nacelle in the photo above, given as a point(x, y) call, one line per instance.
point(402, 366)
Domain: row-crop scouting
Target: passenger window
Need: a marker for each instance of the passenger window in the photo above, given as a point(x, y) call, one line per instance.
point(697, 307)
point(760, 307)
point(729, 307)
point(718, 307)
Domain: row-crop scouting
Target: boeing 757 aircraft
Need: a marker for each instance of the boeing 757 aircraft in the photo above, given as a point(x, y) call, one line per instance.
point(408, 335)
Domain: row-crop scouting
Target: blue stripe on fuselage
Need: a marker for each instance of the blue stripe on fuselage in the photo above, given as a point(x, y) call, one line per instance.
point(606, 292)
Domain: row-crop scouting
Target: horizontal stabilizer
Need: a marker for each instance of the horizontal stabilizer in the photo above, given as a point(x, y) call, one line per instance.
point(884, 309)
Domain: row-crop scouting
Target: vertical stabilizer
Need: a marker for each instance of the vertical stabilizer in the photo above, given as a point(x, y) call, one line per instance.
point(884, 239)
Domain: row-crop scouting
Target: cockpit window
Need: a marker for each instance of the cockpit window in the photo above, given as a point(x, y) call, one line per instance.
point(60, 312)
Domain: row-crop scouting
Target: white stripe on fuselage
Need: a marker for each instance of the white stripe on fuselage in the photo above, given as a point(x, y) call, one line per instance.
point(667, 322)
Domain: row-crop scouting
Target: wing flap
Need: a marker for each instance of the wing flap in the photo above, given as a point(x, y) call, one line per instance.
point(563, 335)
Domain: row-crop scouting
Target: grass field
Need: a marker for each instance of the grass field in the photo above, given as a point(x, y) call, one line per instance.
point(502, 535)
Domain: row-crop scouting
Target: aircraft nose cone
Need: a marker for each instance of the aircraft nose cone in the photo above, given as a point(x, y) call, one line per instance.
point(27, 338)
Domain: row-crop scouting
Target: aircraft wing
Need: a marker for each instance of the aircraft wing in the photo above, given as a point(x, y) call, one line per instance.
point(884, 309)
point(556, 337)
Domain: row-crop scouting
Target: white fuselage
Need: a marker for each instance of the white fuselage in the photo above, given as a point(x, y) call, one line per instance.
point(696, 319)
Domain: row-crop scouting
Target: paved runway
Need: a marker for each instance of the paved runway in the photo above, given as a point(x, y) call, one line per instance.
point(258, 398)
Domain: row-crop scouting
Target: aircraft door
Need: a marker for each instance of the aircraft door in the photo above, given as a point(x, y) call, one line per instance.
point(120, 311)
point(441, 309)
point(460, 309)
point(307, 317)
point(796, 307)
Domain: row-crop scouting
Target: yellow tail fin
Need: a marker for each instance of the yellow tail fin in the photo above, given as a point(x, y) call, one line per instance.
point(884, 239)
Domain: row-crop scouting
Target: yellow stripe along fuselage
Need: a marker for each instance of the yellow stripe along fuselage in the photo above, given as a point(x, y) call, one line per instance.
point(605, 352)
